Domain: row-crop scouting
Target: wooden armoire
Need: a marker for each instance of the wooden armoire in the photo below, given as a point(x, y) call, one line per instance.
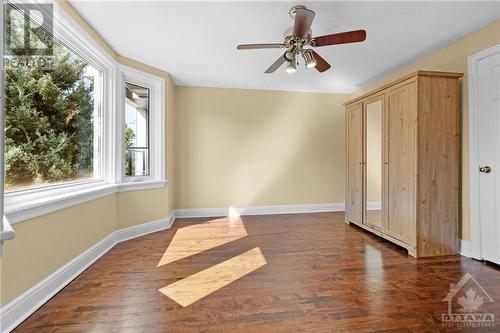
point(403, 162)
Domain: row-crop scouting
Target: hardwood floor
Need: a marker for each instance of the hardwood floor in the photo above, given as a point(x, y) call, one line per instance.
point(314, 273)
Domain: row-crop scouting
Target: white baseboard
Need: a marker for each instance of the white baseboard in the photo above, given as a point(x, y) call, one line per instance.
point(467, 249)
point(144, 229)
point(260, 210)
point(17, 310)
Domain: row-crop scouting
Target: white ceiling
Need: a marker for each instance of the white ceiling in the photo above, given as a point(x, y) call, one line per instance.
point(196, 41)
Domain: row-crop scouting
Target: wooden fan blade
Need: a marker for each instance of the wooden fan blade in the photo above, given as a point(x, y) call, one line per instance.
point(340, 38)
point(281, 60)
point(260, 46)
point(303, 20)
point(321, 64)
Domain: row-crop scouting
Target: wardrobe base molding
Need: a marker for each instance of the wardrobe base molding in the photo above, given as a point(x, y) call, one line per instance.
point(412, 251)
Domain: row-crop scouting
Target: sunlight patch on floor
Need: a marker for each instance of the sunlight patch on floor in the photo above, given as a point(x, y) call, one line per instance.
point(189, 290)
point(197, 238)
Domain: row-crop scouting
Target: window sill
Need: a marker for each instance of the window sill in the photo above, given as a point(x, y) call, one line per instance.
point(26, 205)
point(7, 231)
point(141, 185)
point(23, 206)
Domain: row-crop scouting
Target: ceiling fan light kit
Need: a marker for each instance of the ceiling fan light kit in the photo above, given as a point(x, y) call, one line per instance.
point(291, 67)
point(299, 38)
point(309, 59)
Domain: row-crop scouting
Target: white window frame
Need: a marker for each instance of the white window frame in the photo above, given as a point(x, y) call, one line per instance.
point(156, 119)
point(29, 203)
point(6, 231)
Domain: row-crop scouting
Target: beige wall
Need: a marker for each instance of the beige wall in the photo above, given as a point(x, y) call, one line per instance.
point(453, 58)
point(44, 244)
point(238, 147)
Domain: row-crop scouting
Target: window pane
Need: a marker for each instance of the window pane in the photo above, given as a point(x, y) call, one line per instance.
point(136, 162)
point(136, 130)
point(50, 120)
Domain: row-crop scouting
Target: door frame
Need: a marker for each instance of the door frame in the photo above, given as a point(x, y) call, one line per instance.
point(473, 248)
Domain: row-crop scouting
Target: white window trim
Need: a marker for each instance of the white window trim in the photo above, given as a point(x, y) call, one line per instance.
point(30, 203)
point(156, 86)
point(6, 231)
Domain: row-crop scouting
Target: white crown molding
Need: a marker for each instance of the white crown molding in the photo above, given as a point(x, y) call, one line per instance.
point(261, 210)
point(20, 308)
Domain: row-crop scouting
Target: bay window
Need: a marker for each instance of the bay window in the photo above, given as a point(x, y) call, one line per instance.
point(79, 129)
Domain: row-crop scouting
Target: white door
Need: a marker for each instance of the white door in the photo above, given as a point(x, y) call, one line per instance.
point(488, 102)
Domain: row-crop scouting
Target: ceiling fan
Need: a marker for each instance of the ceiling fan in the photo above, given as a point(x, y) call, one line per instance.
point(299, 37)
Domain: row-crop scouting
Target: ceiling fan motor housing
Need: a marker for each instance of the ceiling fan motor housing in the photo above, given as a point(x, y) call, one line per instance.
point(293, 10)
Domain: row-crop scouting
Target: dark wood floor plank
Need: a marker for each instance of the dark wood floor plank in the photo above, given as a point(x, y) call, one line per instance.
point(322, 275)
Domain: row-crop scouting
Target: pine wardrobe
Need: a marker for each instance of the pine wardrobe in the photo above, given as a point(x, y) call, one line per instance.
point(403, 162)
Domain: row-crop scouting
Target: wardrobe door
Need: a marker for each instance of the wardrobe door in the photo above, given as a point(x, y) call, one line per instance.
point(373, 161)
point(402, 163)
point(354, 140)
